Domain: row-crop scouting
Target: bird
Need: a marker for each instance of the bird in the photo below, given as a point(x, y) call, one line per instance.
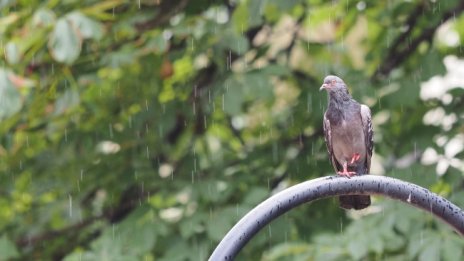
point(349, 136)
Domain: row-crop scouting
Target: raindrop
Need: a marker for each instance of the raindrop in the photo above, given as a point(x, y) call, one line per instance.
point(230, 60)
point(160, 130)
point(223, 101)
point(195, 164)
point(110, 127)
point(70, 205)
point(310, 102)
point(341, 226)
point(275, 149)
point(148, 153)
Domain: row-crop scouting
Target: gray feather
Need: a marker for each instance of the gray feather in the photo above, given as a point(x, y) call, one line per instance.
point(347, 130)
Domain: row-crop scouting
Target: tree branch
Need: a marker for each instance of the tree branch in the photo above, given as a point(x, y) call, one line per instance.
point(401, 49)
point(167, 9)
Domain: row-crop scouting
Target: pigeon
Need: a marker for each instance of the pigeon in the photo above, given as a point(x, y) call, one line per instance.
point(349, 137)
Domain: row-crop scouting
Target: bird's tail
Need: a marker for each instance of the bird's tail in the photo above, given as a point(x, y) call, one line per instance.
point(357, 202)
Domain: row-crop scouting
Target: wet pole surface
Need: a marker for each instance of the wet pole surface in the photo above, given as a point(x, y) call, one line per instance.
point(331, 186)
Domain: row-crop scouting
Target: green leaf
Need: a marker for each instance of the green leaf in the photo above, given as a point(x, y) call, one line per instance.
point(179, 251)
point(233, 97)
point(256, 9)
point(256, 86)
point(221, 222)
point(43, 17)
point(68, 100)
point(240, 18)
point(10, 99)
point(291, 249)
point(452, 249)
point(88, 28)
point(7, 249)
point(431, 249)
point(65, 42)
point(255, 196)
point(12, 53)
point(192, 225)
point(157, 43)
point(357, 247)
point(233, 41)
point(431, 65)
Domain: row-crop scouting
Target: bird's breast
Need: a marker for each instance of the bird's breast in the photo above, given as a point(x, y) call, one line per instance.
point(347, 140)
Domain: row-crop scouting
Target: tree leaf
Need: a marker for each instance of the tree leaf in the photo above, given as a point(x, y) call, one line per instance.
point(67, 101)
point(233, 97)
point(10, 99)
point(43, 17)
point(12, 53)
point(7, 249)
point(65, 42)
point(431, 249)
point(88, 28)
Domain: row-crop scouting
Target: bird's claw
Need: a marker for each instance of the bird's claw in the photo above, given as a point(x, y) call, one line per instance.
point(347, 174)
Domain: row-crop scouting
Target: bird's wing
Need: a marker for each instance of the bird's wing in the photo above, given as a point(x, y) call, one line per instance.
point(328, 142)
point(368, 134)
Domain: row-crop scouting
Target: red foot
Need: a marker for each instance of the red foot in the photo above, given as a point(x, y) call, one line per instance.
point(345, 171)
point(355, 158)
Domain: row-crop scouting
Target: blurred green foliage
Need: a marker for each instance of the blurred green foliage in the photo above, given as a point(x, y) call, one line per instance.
point(143, 130)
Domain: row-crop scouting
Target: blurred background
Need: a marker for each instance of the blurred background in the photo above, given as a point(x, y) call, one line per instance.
point(143, 130)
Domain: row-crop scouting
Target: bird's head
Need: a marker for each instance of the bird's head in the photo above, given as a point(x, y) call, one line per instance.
point(333, 83)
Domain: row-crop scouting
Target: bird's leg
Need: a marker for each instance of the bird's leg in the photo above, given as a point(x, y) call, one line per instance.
point(355, 158)
point(345, 171)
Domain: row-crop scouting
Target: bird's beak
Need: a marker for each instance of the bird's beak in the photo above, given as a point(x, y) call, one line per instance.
point(324, 86)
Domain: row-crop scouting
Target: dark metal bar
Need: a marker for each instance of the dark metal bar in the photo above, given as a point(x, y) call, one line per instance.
point(331, 186)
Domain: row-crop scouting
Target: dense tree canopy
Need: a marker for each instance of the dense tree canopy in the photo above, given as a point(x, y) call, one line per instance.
point(143, 130)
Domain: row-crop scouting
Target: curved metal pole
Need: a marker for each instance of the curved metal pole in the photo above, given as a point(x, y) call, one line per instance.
point(331, 186)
